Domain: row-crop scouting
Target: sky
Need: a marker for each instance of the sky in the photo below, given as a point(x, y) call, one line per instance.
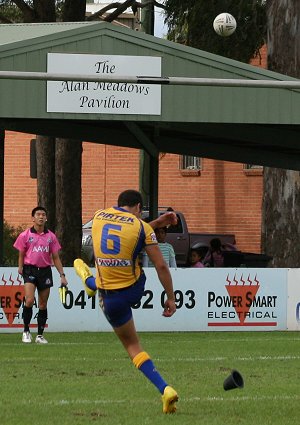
point(160, 30)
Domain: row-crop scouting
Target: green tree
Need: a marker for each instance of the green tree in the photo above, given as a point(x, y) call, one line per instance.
point(10, 235)
point(12, 11)
point(190, 22)
point(281, 202)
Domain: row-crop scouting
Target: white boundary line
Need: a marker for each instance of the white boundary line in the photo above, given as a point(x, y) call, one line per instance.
point(179, 359)
point(209, 399)
point(239, 359)
point(182, 341)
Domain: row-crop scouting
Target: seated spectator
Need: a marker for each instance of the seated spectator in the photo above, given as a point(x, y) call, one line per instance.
point(196, 258)
point(214, 256)
point(166, 249)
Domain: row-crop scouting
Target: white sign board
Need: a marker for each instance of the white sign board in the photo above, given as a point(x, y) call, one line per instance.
point(103, 97)
point(207, 300)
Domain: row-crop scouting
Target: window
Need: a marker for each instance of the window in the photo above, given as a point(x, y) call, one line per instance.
point(190, 165)
point(253, 170)
point(252, 167)
point(176, 228)
point(188, 162)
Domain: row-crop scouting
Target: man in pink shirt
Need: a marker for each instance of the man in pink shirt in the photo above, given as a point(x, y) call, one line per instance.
point(38, 249)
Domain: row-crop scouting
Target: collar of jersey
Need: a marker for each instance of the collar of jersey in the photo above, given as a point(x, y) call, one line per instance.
point(32, 229)
point(121, 209)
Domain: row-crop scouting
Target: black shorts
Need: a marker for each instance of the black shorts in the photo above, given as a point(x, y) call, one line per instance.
point(41, 277)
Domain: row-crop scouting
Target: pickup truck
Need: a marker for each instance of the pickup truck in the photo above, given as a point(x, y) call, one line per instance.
point(178, 236)
point(182, 241)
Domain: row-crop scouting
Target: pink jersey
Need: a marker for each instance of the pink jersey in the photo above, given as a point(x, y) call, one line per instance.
point(198, 265)
point(38, 247)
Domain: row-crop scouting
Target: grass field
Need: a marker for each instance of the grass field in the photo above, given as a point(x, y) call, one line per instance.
point(86, 378)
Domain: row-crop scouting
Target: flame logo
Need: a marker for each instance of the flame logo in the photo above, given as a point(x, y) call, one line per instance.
point(228, 280)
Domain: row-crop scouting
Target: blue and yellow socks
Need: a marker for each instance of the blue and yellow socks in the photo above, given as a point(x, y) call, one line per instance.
point(143, 362)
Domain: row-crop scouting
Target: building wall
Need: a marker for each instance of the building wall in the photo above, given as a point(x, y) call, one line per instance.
point(20, 191)
point(223, 198)
point(261, 59)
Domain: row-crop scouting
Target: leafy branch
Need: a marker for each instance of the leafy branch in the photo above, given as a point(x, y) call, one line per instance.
point(120, 8)
point(20, 10)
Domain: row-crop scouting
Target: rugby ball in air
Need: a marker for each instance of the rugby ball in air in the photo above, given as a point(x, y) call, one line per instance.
point(224, 24)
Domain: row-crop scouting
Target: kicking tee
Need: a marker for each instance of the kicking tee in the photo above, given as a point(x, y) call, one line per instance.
point(118, 238)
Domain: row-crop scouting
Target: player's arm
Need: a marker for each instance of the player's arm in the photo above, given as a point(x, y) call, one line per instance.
point(59, 268)
point(164, 276)
point(166, 219)
point(145, 259)
point(21, 262)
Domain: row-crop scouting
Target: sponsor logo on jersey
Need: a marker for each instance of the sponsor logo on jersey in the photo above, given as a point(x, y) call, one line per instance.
point(40, 248)
point(113, 262)
point(115, 217)
point(153, 237)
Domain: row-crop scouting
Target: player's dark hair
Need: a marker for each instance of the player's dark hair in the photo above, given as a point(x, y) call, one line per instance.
point(130, 198)
point(38, 209)
point(216, 244)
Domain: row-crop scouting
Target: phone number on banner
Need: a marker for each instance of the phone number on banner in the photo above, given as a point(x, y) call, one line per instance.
point(183, 299)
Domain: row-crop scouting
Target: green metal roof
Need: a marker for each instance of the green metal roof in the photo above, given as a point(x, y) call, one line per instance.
point(193, 104)
point(217, 122)
point(11, 33)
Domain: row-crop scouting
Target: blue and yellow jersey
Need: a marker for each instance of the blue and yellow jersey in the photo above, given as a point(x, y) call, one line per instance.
point(118, 238)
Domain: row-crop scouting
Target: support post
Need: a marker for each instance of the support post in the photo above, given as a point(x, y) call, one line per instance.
point(153, 186)
point(2, 138)
point(148, 181)
point(149, 167)
point(147, 17)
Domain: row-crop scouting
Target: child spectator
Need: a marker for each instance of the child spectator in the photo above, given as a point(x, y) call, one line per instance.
point(166, 249)
point(214, 256)
point(196, 258)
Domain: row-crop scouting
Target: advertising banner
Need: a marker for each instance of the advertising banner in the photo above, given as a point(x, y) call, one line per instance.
point(246, 299)
point(92, 97)
point(293, 301)
point(207, 300)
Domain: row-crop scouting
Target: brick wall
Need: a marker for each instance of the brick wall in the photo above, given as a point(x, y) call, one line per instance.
point(20, 191)
point(260, 59)
point(106, 171)
point(223, 198)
